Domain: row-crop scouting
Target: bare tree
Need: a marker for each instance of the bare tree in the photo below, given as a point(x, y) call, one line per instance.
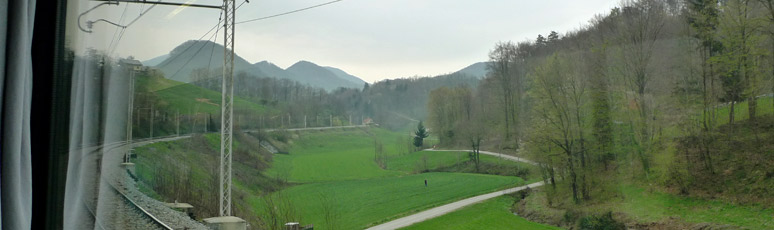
point(562, 97)
point(739, 60)
point(642, 26)
point(503, 67)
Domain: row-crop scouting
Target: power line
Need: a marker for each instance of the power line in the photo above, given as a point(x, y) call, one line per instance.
point(162, 3)
point(171, 58)
point(123, 28)
point(141, 14)
point(214, 35)
point(289, 12)
point(189, 47)
point(120, 21)
point(212, 53)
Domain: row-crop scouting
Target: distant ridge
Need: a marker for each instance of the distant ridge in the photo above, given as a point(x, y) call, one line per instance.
point(201, 54)
point(478, 70)
point(346, 76)
point(318, 76)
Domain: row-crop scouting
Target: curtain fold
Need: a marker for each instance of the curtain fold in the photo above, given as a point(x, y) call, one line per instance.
point(15, 99)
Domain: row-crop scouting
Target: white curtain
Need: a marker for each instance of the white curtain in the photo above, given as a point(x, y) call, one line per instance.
point(16, 26)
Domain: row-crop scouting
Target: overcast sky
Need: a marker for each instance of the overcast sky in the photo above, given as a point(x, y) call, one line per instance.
point(372, 39)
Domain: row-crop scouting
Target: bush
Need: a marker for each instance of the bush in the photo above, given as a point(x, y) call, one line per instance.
point(601, 222)
point(281, 136)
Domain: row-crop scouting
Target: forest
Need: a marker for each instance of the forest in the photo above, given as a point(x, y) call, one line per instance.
point(669, 93)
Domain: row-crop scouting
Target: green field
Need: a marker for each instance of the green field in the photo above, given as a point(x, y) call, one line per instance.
point(643, 205)
point(491, 214)
point(335, 155)
point(435, 160)
point(741, 111)
point(361, 203)
point(191, 99)
point(338, 167)
point(334, 181)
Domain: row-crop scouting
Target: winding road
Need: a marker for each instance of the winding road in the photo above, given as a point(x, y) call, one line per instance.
point(450, 207)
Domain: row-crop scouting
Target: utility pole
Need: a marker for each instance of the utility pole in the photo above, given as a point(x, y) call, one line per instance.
point(129, 113)
point(151, 121)
point(304, 121)
point(177, 122)
point(227, 99)
point(227, 102)
point(192, 120)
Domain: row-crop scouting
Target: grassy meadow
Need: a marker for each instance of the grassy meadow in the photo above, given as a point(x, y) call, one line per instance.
point(338, 167)
point(490, 214)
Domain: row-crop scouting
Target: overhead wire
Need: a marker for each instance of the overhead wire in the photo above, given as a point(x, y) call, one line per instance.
point(124, 27)
point(212, 51)
point(120, 27)
point(194, 55)
point(214, 36)
point(289, 12)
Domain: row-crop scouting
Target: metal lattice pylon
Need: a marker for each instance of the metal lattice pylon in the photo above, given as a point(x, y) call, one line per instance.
point(227, 103)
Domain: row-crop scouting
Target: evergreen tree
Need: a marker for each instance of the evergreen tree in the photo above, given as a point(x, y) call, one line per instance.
point(420, 135)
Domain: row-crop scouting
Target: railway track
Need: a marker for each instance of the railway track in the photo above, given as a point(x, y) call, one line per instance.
point(118, 211)
point(111, 207)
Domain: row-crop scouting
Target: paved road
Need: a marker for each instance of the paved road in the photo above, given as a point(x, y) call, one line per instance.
point(447, 208)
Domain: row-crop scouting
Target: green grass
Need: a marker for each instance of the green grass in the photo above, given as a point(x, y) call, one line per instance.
point(156, 84)
point(415, 162)
point(741, 110)
point(335, 155)
point(491, 214)
point(338, 166)
point(333, 168)
point(655, 206)
point(361, 203)
point(188, 98)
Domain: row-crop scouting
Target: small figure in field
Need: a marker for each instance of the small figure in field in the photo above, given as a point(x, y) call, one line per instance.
point(425, 182)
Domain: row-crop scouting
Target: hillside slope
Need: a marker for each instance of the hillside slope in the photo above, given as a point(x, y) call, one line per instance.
point(192, 55)
point(318, 76)
point(479, 70)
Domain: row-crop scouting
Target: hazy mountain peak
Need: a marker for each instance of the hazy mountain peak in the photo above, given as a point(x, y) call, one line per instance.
point(203, 54)
point(478, 70)
point(304, 63)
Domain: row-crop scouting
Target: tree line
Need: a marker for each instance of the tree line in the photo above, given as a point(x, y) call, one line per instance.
point(596, 105)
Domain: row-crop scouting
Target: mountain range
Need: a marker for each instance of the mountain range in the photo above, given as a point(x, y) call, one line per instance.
point(192, 55)
point(179, 63)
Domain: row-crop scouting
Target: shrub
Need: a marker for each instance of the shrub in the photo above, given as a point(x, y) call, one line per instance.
point(601, 222)
point(281, 136)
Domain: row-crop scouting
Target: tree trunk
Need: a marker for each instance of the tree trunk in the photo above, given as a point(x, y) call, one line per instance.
point(752, 106)
point(574, 183)
point(731, 113)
